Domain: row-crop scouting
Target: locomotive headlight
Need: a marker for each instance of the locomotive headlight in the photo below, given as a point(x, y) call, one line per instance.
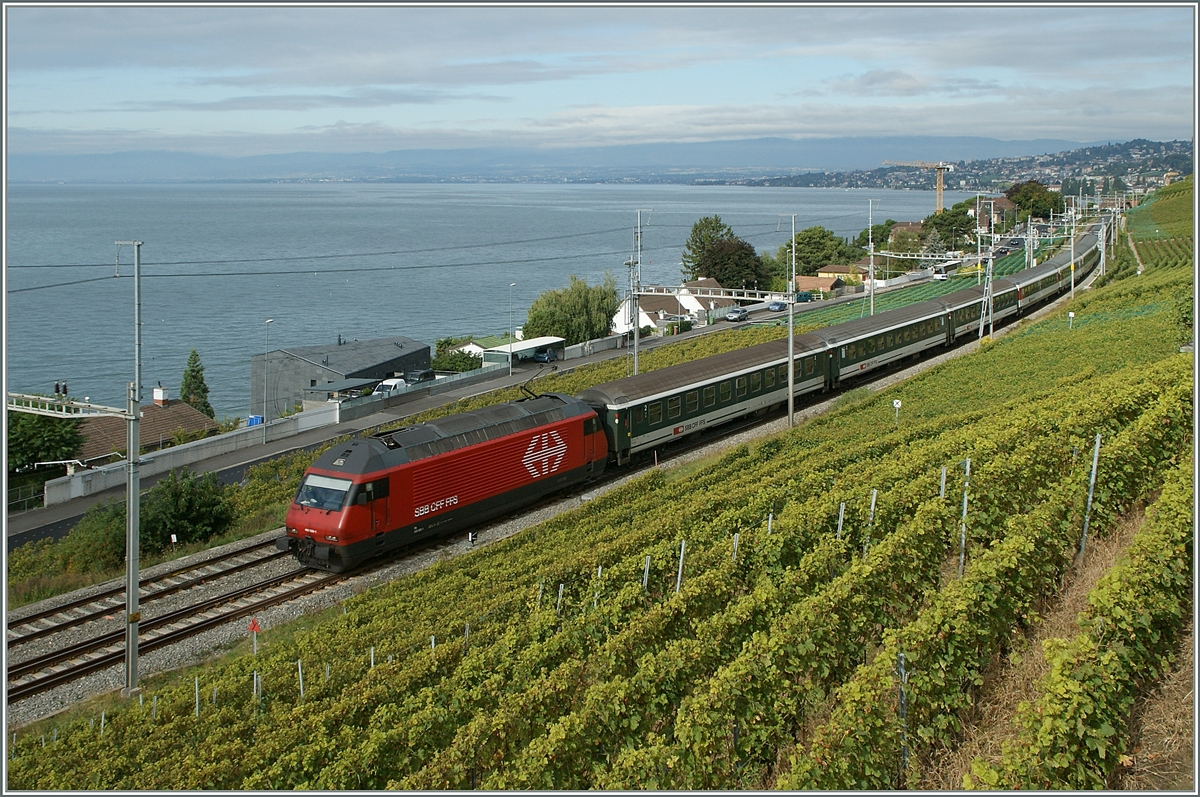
point(331, 537)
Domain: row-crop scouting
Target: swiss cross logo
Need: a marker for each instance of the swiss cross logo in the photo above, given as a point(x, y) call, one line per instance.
point(544, 454)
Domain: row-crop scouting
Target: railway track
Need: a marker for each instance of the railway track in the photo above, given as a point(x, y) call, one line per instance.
point(103, 605)
point(105, 650)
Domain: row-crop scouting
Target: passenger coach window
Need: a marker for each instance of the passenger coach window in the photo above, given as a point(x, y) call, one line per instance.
point(810, 364)
point(693, 401)
point(710, 395)
point(755, 382)
point(725, 391)
point(674, 407)
point(741, 386)
point(770, 377)
point(654, 412)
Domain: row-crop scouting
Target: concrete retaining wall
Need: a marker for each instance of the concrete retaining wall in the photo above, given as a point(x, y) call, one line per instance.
point(88, 482)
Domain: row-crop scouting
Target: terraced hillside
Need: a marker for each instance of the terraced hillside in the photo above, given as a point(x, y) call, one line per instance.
point(739, 624)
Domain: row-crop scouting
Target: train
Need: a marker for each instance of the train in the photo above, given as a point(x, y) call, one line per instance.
point(370, 496)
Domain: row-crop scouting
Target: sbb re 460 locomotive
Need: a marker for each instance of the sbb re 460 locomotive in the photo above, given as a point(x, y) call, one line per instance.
point(372, 495)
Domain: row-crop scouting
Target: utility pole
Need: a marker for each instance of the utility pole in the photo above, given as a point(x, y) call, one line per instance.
point(266, 361)
point(792, 333)
point(635, 286)
point(133, 615)
point(871, 242)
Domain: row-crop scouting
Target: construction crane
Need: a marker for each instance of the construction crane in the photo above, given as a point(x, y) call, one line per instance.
point(941, 169)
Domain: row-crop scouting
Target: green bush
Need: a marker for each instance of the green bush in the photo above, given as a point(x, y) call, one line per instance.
point(193, 508)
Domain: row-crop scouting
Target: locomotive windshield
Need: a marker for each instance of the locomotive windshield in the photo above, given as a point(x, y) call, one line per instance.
point(322, 492)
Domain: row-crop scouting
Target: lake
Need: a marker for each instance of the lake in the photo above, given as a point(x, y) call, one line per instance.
point(359, 260)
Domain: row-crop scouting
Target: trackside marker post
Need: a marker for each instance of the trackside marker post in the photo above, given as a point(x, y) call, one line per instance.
point(679, 576)
point(254, 629)
point(962, 539)
point(1087, 515)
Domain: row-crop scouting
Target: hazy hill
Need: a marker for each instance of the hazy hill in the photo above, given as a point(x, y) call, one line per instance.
point(651, 162)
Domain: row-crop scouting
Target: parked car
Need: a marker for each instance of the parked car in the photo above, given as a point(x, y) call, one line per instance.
point(737, 314)
point(776, 307)
point(421, 375)
point(545, 355)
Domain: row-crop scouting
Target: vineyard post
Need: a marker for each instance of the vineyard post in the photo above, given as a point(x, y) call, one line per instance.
point(43, 740)
point(372, 657)
point(646, 572)
point(870, 523)
point(962, 536)
point(942, 489)
point(326, 673)
point(467, 633)
point(300, 675)
point(141, 700)
point(197, 695)
point(154, 708)
point(214, 700)
point(101, 723)
point(55, 739)
point(433, 642)
point(735, 542)
point(841, 515)
point(1087, 515)
point(903, 717)
point(679, 575)
point(596, 595)
point(558, 606)
point(770, 521)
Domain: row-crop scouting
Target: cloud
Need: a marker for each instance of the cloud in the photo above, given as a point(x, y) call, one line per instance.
point(374, 98)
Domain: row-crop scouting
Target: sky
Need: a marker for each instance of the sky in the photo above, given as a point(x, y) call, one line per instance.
point(255, 80)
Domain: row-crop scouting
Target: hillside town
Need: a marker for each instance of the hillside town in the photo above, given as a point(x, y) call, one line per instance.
point(1135, 166)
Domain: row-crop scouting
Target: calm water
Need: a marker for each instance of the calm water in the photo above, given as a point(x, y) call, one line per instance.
point(327, 259)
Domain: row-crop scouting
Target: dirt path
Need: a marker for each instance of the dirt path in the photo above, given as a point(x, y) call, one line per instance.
point(1016, 677)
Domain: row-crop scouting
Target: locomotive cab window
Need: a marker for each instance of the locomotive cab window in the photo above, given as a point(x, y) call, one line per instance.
point(322, 492)
point(369, 491)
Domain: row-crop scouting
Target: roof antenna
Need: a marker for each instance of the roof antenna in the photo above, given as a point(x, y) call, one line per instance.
point(525, 386)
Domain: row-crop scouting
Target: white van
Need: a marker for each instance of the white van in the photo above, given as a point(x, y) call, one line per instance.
point(389, 386)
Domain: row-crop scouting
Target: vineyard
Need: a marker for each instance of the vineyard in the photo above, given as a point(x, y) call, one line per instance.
point(818, 611)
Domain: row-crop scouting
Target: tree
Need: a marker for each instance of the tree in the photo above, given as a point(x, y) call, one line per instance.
point(952, 225)
point(457, 361)
point(1034, 199)
point(193, 390)
point(878, 234)
point(705, 232)
point(733, 263)
point(577, 313)
point(40, 438)
point(817, 247)
point(193, 508)
point(933, 242)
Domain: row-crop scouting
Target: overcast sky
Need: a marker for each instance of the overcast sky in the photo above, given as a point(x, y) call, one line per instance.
point(257, 80)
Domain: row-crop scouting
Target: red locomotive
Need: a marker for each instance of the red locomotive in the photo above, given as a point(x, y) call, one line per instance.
point(373, 495)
